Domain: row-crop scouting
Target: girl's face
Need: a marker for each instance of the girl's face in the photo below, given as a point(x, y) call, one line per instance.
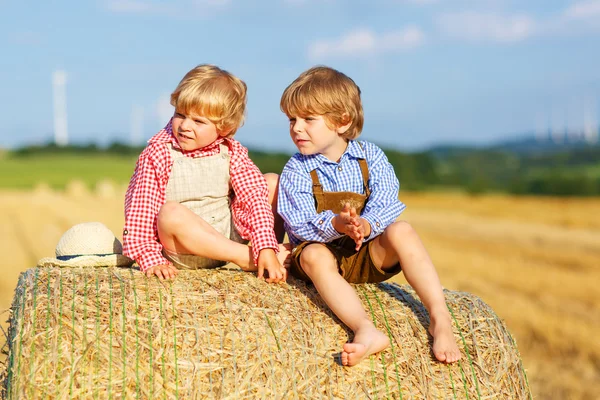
point(312, 136)
point(193, 131)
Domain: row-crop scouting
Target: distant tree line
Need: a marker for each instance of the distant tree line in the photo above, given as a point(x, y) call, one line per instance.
point(575, 172)
point(115, 148)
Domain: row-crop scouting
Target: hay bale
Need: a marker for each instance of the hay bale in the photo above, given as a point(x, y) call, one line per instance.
point(106, 189)
point(95, 333)
point(77, 189)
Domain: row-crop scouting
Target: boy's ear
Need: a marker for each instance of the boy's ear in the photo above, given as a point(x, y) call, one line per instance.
point(224, 133)
point(347, 123)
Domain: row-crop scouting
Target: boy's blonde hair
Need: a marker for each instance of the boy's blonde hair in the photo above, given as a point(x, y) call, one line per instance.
point(325, 91)
point(213, 93)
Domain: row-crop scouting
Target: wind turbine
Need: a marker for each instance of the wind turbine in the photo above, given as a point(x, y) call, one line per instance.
point(59, 80)
point(137, 124)
point(590, 121)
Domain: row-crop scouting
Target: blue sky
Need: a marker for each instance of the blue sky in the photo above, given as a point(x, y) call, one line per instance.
point(431, 71)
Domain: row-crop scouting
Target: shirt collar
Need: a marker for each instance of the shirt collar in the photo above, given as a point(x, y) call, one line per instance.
point(354, 150)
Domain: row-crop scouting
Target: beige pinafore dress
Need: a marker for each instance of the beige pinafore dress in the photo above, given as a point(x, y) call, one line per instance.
point(202, 185)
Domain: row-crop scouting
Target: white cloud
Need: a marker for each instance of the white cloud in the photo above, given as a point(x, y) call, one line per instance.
point(421, 1)
point(476, 26)
point(580, 18)
point(306, 2)
point(364, 42)
point(136, 6)
point(156, 7)
point(584, 9)
point(211, 3)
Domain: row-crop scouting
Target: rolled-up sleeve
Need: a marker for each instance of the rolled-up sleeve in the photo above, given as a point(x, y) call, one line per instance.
point(145, 195)
point(252, 213)
point(383, 205)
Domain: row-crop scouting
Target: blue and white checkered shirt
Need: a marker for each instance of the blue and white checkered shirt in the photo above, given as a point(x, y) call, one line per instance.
point(296, 203)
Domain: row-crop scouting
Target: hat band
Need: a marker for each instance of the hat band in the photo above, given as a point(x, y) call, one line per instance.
point(66, 258)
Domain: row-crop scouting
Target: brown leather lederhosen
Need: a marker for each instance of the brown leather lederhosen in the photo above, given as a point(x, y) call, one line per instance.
point(355, 267)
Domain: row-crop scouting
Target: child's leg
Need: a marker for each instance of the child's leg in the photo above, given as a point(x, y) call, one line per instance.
point(400, 242)
point(320, 265)
point(182, 231)
point(273, 183)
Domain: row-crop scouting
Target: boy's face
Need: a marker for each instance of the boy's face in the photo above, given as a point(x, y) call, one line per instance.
point(193, 131)
point(312, 136)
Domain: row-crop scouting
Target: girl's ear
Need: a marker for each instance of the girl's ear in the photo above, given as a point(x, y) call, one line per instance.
point(224, 133)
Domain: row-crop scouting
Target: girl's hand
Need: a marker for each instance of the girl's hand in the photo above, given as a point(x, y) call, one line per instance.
point(163, 271)
point(267, 260)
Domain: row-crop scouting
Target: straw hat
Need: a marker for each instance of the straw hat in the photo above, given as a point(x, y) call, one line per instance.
point(90, 244)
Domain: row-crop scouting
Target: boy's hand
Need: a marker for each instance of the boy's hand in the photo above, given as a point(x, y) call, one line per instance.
point(267, 259)
point(163, 271)
point(349, 223)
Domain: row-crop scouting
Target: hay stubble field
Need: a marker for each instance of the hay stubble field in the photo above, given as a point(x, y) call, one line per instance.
point(535, 261)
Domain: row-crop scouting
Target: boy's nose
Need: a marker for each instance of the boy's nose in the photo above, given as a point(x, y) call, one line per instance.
point(185, 124)
point(297, 126)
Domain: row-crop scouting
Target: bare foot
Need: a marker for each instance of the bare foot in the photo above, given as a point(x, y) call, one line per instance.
point(444, 344)
point(285, 254)
point(367, 341)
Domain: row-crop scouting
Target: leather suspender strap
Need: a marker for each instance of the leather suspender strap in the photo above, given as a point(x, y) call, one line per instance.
point(317, 188)
point(364, 168)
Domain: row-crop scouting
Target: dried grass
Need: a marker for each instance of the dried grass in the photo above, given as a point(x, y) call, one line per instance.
point(103, 333)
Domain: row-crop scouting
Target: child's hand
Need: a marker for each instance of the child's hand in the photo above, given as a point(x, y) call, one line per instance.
point(267, 259)
point(349, 223)
point(357, 232)
point(163, 271)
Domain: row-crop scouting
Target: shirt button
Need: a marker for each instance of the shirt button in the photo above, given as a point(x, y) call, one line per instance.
point(340, 168)
point(321, 222)
point(378, 224)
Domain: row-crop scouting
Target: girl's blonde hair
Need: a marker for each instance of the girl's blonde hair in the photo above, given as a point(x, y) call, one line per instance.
point(325, 91)
point(213, 93)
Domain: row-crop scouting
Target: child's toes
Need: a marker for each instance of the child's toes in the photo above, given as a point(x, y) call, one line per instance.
point(441, 356)
point(344, 358)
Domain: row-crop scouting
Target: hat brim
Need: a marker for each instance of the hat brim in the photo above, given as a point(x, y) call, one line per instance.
point(111, 260)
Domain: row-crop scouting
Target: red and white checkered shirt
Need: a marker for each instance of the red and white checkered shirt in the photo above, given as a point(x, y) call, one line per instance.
point(252, 214)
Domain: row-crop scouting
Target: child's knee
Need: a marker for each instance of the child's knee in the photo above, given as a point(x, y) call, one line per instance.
point(399, 229)
point(272, 181)
point(169, 214)
point(316, 257)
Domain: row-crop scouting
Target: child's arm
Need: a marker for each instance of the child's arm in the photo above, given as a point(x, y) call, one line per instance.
point(252, 213)
point(143, 200)
point(383, 205)
point(296, 205)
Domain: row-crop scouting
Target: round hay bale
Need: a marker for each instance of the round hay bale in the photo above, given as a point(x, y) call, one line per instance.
point(106, 189)
point(42, 189)
point(77, 189)
point(95, 333)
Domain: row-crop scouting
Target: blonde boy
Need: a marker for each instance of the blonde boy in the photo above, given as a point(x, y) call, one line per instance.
point(195, 197)
point(339, 202)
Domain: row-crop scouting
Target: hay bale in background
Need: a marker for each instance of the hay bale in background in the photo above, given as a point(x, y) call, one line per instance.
point(88, 333)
